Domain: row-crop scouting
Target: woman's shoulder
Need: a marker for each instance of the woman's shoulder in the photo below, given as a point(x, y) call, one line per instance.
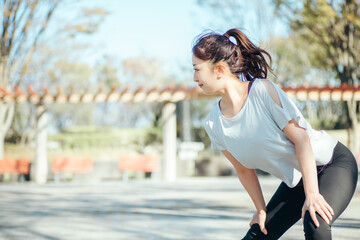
point(265, 88)
point(212, 115)
point(258, 87)
point(263, 82)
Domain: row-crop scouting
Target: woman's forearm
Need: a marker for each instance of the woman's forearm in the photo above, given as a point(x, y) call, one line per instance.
point(249, 180)
point(307, 166)
point(251, 184)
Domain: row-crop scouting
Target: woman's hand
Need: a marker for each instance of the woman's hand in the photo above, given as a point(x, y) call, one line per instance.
point(315, 203)
point(259, 218)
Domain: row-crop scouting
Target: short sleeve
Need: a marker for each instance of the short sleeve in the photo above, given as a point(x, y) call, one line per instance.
point(214, 138)
point(288, 111)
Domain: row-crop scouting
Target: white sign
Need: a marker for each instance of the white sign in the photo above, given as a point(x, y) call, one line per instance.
point(190, 150)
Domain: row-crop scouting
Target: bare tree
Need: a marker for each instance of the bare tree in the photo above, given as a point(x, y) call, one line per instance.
point(24, 23)
point(22, 26)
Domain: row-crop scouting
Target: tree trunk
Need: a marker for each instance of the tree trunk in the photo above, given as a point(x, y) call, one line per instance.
point(354, 131)
point(41, 162)
point(354, 136)
point(6, 116)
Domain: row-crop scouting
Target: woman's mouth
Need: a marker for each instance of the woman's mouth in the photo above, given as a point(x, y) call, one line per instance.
point(200, 85)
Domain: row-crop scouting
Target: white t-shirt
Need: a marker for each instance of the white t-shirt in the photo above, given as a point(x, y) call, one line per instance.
point(255, 138)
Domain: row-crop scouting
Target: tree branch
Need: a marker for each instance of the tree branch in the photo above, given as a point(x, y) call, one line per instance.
point(14, 25)
point(34, 45)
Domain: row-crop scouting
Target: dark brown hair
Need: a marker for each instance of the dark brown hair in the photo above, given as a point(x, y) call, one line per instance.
point(244, 58)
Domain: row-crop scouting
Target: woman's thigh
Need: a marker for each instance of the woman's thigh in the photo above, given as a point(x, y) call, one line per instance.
point(338, 181)
point(283, 211)
point(337, 185)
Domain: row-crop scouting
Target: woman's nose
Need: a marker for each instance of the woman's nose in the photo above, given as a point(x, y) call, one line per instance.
point(195, 77)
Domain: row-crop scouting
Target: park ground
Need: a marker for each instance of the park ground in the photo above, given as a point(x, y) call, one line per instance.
point(190, 208)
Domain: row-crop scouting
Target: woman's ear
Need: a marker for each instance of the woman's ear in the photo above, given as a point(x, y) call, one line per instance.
point(220, 69)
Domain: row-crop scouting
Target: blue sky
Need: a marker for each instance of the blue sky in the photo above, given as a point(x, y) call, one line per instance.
point(156, 28)
point(160, 29)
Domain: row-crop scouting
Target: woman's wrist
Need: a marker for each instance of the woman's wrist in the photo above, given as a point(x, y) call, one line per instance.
point(262, 210)
point(311, 194)
point(311, 190)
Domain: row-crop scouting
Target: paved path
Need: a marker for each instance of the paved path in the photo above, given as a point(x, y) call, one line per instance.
point(194, 208)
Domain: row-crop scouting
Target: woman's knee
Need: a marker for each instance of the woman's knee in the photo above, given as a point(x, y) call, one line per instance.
point(254, 233)
point(323, 232)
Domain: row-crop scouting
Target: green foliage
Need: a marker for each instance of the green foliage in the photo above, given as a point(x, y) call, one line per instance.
point(153, 135)
point(98, 137)
point(328, 124)
point(332, 31)
point(201, 136)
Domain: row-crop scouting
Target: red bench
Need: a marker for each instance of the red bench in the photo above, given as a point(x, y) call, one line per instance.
point(20, 166)
point(71, 165)
point(138, 163)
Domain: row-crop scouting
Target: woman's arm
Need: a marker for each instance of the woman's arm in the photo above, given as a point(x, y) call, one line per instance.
point(314, 201)
point(250, 181)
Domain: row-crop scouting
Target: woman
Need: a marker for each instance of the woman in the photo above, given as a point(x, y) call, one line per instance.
point(256, 126)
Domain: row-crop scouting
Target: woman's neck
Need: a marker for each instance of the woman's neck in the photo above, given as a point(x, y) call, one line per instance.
point(234, 92)
point(233, 97)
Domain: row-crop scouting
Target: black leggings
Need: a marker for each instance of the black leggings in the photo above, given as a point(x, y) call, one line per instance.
point(337, 183)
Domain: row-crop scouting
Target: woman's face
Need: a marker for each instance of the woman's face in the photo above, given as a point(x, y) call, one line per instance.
point(205, 75)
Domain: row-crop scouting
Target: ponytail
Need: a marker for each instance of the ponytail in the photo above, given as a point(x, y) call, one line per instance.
point(243, 58)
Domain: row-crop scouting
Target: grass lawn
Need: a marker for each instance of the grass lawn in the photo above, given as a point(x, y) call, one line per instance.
point(105, 151)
